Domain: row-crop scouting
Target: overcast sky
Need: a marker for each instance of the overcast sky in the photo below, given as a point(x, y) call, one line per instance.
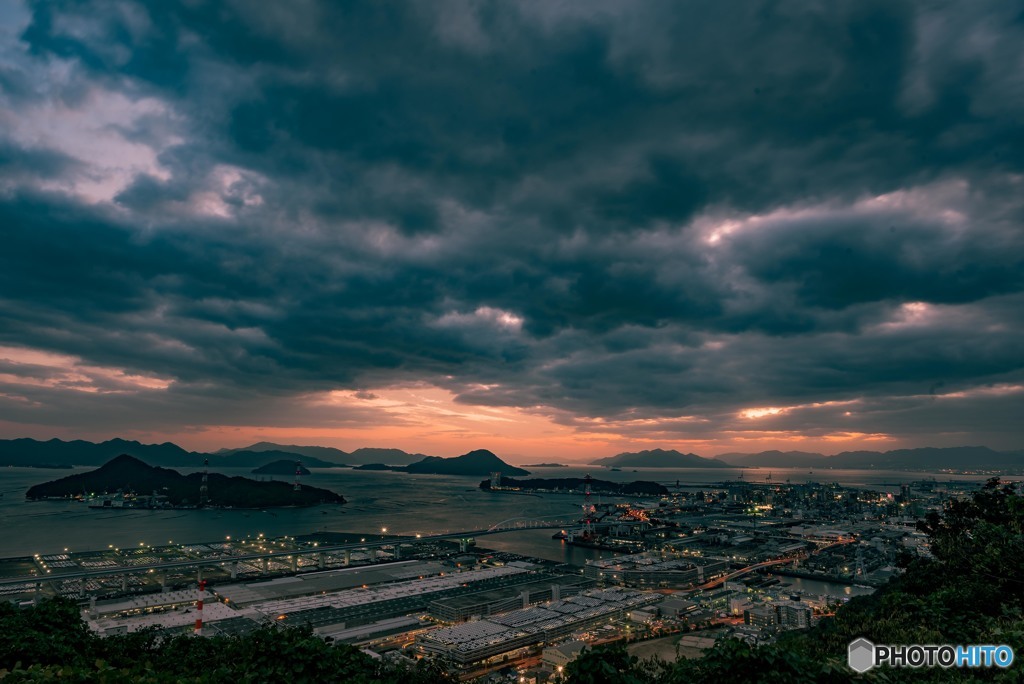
point(546, 228)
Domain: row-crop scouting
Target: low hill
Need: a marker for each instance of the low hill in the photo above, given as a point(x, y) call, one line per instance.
point(479, 462)
point(249, 459)
point(286, 467)
point(660, 458)
point(127, 473)
point(330, 455)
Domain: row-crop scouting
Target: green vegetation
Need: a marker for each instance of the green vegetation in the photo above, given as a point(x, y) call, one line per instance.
point(971, 592)
point(50, 643)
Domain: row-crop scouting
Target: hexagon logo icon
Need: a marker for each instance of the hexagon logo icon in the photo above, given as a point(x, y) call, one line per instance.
point(861, 655)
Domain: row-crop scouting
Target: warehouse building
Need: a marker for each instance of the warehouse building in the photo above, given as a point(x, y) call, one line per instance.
point(647, 570)
point(366, 604)
point(508, 597)
point(519, 631)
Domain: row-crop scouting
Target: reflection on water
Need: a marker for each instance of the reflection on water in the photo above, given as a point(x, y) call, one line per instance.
point(402, 503)
point(811, 587)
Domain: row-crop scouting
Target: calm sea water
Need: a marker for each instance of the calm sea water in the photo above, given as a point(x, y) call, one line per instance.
point(812, 587)
point(400, 502)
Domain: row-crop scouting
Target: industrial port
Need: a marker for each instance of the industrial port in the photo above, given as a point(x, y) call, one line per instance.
point(698, 562)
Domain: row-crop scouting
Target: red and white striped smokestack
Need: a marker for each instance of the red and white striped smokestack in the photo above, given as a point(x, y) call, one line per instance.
point(199, 609)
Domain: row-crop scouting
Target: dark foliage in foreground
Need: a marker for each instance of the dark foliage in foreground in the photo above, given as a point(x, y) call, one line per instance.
point(51, 643)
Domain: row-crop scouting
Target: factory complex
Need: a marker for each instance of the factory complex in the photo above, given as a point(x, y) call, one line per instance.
point(744, 560)
point(478, 641)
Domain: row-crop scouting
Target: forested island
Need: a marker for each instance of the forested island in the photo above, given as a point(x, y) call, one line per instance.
point(638, 488)
point(479, 462)
point(160, 487)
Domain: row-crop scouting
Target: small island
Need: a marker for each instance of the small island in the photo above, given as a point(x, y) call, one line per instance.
point(282, 467)
point(478, 462)
point(127, 482)
point(545, 465)
point(577, 484)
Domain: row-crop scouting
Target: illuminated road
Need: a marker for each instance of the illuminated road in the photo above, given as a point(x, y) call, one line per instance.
point(743, 571)
point(222, 560)
point(778, 561)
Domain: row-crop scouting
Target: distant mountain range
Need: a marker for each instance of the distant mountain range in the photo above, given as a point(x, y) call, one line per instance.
point(926, 458)
point(659, 458)
point(335, 457)
point(775, 459)
point(31, 452)
point(55, 452)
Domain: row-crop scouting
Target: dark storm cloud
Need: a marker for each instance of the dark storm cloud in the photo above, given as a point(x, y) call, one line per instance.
point(19, 163)
point(604, 210)
point(842, 261)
